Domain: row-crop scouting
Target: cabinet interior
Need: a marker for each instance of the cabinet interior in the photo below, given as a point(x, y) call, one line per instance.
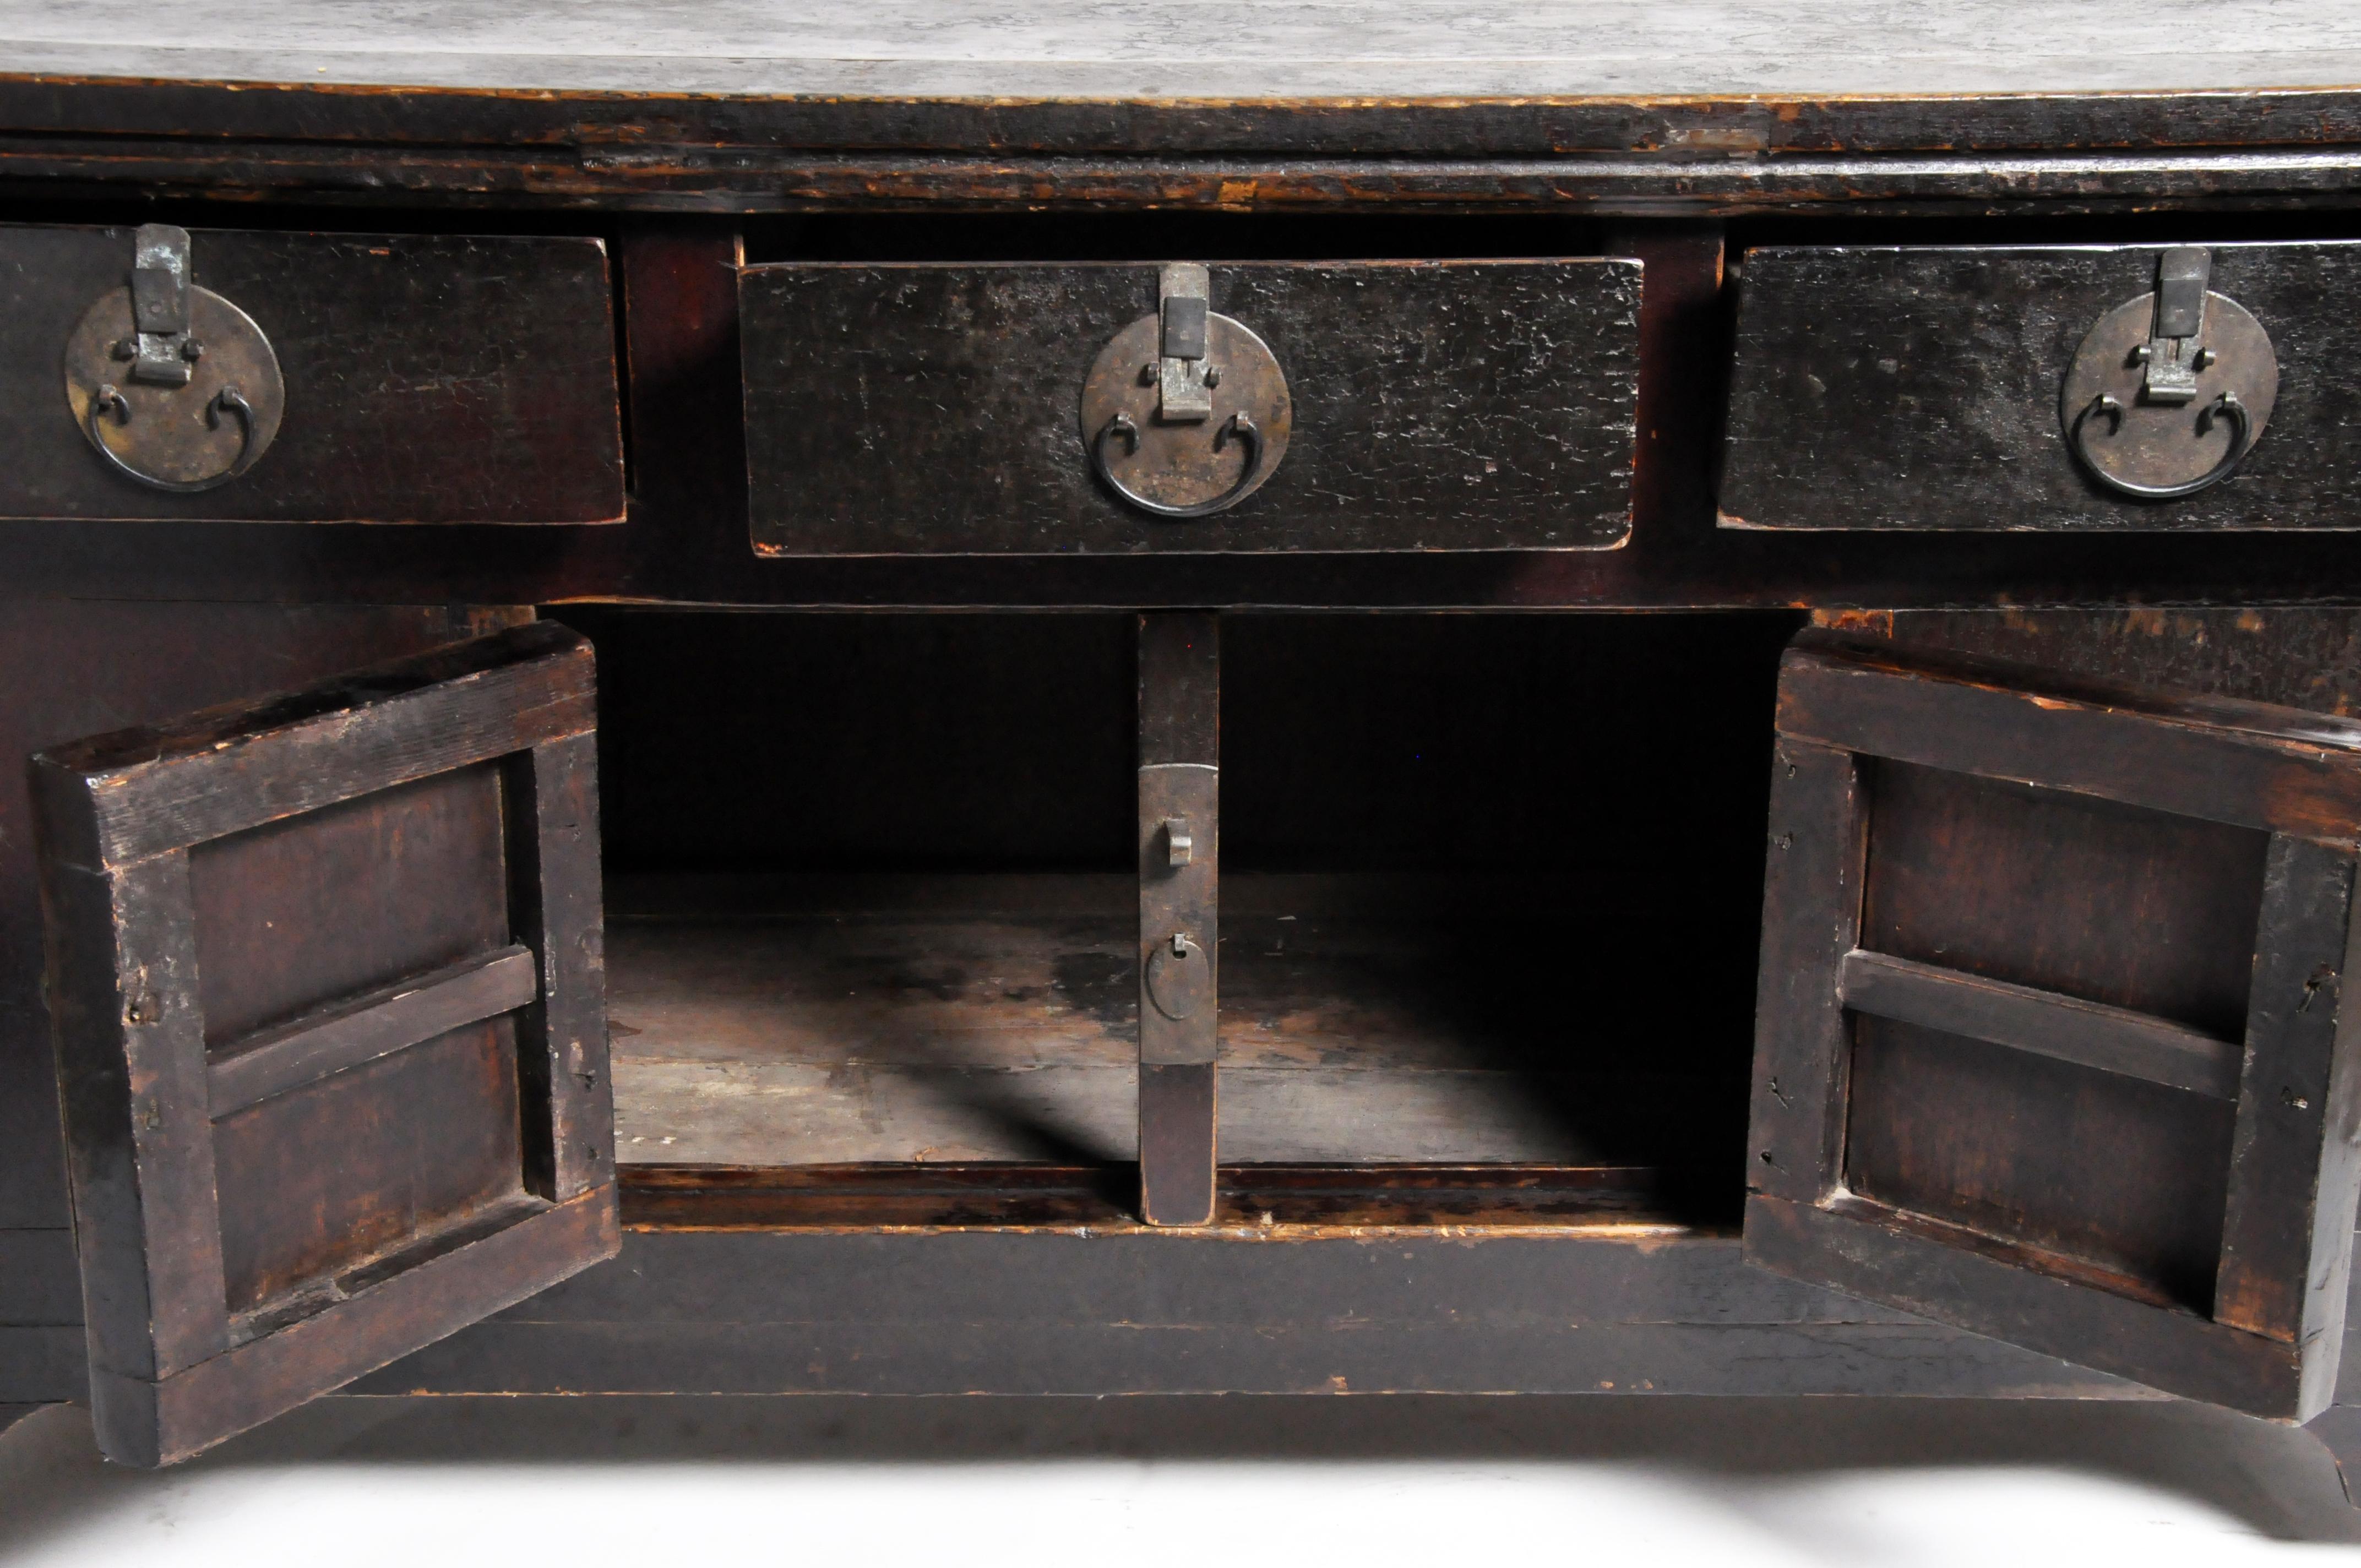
point(1490, 891)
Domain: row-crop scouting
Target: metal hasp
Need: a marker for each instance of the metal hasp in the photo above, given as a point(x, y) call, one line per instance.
point(1185, 413)
point(162, 351)
point(2126, 404)
point(1183, 395)
point(2173, 354)
point(174, 387)
point(1180, 915)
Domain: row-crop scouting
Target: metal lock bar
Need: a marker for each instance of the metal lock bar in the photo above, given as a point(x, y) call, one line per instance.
point(1179, 845)
point(161, 351)
point(1184, 381)
point(2173, 354)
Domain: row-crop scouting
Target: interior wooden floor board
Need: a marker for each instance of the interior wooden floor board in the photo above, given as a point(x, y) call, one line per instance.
point(994, 1019)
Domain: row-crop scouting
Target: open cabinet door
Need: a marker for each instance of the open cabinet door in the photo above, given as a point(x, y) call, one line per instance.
point(326, 980)
point(2051, 1043)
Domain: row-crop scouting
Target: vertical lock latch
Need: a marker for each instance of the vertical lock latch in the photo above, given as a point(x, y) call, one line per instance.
point(162, 352)
point(2174, 354)
point(1184, 381)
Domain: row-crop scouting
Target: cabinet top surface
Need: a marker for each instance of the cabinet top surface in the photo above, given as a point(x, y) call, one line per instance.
point(1220, 50)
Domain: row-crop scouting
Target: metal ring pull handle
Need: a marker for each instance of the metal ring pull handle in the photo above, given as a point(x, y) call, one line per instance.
point(2226, 405)
point(1238, 425)
point(109, 400)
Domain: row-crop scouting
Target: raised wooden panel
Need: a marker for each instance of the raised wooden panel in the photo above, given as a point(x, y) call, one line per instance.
point(326, 989)
point(324, 905)
point(2052, 1043)
point(2096, 1166)
point(2089, 898)
point(317, 1180)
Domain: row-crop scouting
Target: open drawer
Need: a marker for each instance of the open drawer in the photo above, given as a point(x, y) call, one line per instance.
point(2060, 388)
point(307, 378)
point(1036, 408)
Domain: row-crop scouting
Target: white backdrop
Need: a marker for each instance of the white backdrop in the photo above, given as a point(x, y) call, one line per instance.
point(1351, 1481)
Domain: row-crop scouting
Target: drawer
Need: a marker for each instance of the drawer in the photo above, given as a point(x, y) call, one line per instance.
point(384, 379)
point(924, 409)
point(1940, 389)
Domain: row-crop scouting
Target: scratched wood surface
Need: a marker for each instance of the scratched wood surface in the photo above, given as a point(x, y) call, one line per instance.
point(932, 410)
point(430, 378)
point(1357, 1024)
point(1227, 50)
point(1918, 389)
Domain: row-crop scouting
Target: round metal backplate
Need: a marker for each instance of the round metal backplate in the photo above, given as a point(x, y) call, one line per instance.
point(1177, 982)
point(1179, 465)
point(2162, 445)
point(175, 436)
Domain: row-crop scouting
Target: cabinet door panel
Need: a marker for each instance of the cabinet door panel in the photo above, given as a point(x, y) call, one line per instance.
point(2050, 1041)
point(328, 1006)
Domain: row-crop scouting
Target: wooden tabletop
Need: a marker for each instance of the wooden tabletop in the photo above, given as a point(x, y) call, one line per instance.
point(1223, 50)
point(1632, 106)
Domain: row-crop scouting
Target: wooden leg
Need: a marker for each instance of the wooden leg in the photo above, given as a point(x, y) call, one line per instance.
point(1179, 799)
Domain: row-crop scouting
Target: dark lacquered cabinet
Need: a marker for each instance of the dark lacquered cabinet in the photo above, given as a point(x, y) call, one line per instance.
point(1632, 743)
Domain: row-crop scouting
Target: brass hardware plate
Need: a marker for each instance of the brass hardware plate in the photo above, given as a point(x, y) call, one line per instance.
point(1185, 413)
point(176, 387)
point(2170, 392)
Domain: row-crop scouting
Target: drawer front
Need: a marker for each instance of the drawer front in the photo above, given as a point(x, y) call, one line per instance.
point(1930, 388)
point(419, 379)
point(940, 409)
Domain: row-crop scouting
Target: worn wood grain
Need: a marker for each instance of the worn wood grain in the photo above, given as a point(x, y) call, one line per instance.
point(843, 1034)
point(2249, 764)
point(1314, 1200)
point(459, 1276)
point(161, 786)
point(1058, 49)
point(1917, 389)
point(1955, 1276)
point(2079, 1171)
point(2146, 911)
point(2306, 656)
point(129, 1040)
point(317, 1181)
point(2112, 1039)
point(1815, 847)
point(2206, 166)
point(322, 907)
point(810, 1311)
point(2008, 1187)
point(272, 1061)
point(1179, 859)
point(1682, 79)
point(240, 1260)
point(78, 667)
point(498, 356)
point(2288, 1234)
point(557, 909)
point(932, 410)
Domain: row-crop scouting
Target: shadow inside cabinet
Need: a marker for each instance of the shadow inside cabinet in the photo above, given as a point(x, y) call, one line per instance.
point(1490, 888)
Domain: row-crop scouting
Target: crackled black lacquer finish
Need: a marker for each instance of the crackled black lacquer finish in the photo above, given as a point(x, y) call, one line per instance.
point(930, 411)
point(1918, 389)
